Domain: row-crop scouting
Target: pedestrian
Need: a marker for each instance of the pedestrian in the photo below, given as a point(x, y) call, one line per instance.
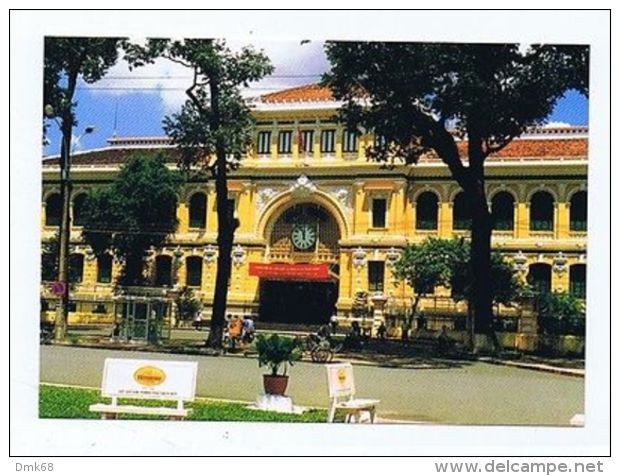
point(381, 331)
point(333, 321)
point(235, 328)
point(116, 332)
point(198, 319)
point(324, 332)
point(353, 339)
point(248, 329)
point(444, 341)
point(421, 321)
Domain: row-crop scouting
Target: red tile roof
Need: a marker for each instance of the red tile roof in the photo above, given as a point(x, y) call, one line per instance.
point(526, 148)
point(112, 156)
point(531, 149)
point(538, 148)
point(306, 93)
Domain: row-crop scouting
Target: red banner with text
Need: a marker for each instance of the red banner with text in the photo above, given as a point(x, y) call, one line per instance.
point(290, 272)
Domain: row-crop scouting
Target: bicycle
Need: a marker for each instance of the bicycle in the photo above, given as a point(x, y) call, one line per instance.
point(319, 348)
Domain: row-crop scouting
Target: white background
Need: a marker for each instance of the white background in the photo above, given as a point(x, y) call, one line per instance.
point(30, 435)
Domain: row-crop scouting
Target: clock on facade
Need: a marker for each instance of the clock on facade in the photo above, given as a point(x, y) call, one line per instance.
point(304, 236)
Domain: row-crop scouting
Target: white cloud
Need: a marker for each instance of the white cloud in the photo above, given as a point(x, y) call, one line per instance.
point(295, 64)
point(165, 78)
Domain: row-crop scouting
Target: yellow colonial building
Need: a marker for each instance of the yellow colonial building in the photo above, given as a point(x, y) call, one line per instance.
point(321, 226)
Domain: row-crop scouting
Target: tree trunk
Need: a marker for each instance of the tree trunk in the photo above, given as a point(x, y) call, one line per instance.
point(480, 262)
point(226, 226)
point(62, 313)
point(225, 235)
point(470, 343)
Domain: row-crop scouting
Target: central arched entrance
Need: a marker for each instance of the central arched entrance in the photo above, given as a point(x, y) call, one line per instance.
point(299, 283)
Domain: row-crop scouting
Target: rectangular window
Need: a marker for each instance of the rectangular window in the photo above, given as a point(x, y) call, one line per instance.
point(194, 271)
point(376, 274)
point(285, 142)
point(379, 206)
point(306, 141)
point(264, 142)
point(76, 268)
point(104, 269)
point(328, 141)
point(163, 271)
point(349, 141)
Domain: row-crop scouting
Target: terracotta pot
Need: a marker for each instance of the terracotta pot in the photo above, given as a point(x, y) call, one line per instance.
point(275, 384)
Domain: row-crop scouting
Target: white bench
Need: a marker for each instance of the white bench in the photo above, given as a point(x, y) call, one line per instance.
point(147, 380)
point(342, 395)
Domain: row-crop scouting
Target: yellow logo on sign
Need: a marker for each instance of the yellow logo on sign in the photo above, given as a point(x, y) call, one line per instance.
point(342, 375)
point(149, 376)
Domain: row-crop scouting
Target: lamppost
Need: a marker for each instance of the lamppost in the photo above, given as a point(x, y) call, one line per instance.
point(65, 221)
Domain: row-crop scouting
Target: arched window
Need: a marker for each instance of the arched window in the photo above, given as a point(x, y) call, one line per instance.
point(104, 268)
point(578, 280)
point(163, 270)
point(579, 212)
point(194, 271)
point(502, 211)
point(541, 212)
point(53, 208)
point(78, 209)
point(539, 277)
point(461, 218)
point(76, 268)
point(426, 211)
point(198, 210)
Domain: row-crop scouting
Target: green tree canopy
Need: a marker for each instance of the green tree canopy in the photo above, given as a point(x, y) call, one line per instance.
point(417, 95)
point(441, 262)
point(505, 286)
point(430, 263)
point(212, 130)
point(422, 98)
point(49, 258)
point(68, 59)
point(134, 213)
point(561, 313)
point(218, 73)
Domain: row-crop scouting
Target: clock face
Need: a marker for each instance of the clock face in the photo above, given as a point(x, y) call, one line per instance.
point(303, 237)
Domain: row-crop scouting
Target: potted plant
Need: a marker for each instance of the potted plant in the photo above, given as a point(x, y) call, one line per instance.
point(277, 353)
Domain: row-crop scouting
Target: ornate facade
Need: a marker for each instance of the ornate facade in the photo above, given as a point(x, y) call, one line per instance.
point(306, 197)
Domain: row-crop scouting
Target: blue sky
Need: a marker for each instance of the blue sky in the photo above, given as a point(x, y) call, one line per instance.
point(133, 103)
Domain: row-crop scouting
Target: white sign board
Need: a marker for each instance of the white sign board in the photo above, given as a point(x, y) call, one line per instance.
point(153, 379)
point(340, 380)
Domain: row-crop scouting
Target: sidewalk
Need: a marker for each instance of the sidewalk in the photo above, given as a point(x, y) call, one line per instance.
point(535, 366)
point(411, 354)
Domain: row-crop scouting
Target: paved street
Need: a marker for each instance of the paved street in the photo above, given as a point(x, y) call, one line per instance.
point(473, 393)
